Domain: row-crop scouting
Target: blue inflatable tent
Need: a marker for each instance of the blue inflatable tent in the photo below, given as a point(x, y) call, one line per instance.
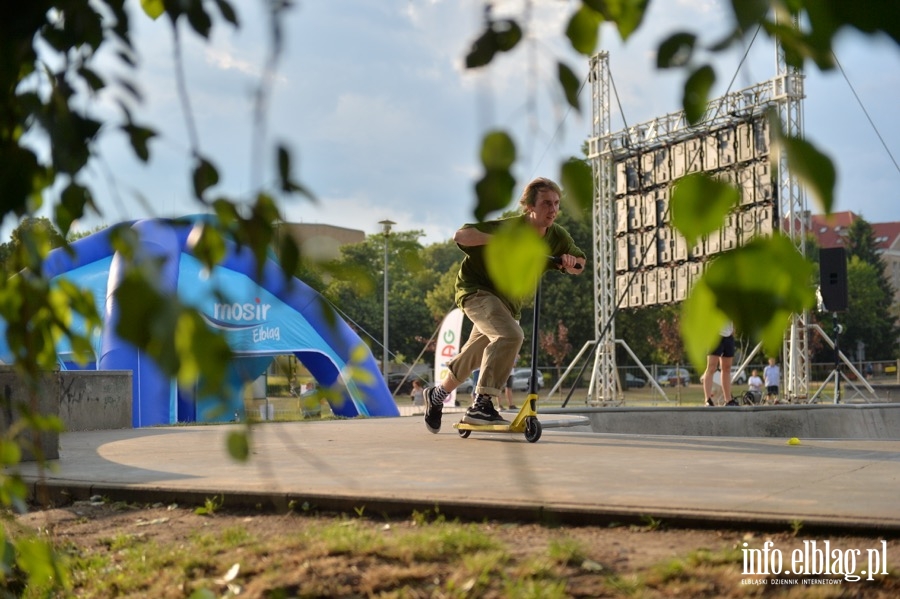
point(260, 318)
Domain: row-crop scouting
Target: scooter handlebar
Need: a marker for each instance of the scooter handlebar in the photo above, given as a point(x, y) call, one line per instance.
point(557, 260)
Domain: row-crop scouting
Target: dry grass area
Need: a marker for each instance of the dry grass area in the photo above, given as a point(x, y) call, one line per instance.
point(121, 550)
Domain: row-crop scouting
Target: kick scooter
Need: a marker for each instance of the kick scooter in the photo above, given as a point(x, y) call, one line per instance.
point(526, 420)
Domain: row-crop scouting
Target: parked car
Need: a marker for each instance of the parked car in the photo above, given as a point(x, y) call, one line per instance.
point(395, 378)
point(741, 377)
point(466, 387)
point(634, 382)
point(674, 377)
point(521, 376)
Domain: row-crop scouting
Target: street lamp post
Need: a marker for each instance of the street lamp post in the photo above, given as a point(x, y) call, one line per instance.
point(386, 225)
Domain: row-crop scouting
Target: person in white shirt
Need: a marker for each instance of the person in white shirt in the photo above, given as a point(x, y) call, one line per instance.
point(755, 382)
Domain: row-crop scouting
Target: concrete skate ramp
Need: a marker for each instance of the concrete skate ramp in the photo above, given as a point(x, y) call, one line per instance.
point(829, 421)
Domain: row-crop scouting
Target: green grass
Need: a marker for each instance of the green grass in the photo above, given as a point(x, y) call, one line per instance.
point(426, 555)
point(566, 551)
point(692, 395)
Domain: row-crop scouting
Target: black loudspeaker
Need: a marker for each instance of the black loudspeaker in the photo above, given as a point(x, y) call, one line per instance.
point(833, 278)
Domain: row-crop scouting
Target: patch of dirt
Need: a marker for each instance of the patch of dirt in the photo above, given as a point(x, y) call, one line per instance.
point(280, 557)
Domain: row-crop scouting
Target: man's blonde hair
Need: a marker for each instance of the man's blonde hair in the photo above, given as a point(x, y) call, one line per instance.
point(529, 194)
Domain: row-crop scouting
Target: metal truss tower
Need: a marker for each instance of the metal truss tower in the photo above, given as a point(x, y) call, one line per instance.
point(602, 387)
point(782, 95)
point(794, 221)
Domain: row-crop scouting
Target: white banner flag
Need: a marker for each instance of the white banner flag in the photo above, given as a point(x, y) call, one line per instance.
point(447, 346)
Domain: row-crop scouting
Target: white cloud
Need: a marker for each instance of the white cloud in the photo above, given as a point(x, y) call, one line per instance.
point(366, 119)
point(222, 59)
point(383, 120)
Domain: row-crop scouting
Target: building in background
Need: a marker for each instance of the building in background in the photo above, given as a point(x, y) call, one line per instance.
point(321, 242)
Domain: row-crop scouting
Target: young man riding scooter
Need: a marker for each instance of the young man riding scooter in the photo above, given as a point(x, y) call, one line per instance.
point(496, 335)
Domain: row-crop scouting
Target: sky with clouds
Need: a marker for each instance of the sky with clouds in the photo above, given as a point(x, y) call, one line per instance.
point(384, 122)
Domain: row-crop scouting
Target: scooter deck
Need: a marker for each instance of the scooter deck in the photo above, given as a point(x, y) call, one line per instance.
point(516, 426)
point(497, 428)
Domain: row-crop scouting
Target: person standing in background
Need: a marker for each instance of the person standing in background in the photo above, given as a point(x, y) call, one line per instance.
point(772, 376)
point(417, 394)
point(721, 357)
point(508, 392)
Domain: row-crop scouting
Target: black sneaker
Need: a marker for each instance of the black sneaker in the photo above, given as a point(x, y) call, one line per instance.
point(483, 412)
point(732, 402)
point(432, 412)
point(710, 403)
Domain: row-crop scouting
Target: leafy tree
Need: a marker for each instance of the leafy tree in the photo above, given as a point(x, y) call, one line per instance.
point(357, 289)
point(439, 298)
point(556, 345)
point(868, 322)
point(671, 348)
point(861, 244)
point(410, 318)
point(310, 274)
point(632, 325)
point(442, 257)
point(440, 263)
point(76, 235)
point(31, 239)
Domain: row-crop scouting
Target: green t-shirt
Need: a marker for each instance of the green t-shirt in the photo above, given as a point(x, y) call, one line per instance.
point(473, 275)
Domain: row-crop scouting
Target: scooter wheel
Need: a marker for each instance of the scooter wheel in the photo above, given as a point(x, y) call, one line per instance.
point(464, 434)
point(533, 430)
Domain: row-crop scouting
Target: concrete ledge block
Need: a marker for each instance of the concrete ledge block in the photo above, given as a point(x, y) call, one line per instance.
point(833, 421)
point(82, 399)
point(95, 399)
point(17, 397)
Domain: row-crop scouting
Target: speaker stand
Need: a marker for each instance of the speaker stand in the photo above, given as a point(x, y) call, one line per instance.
point(837, 372)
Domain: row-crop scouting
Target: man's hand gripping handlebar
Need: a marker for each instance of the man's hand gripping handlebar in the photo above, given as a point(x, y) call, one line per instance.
point(558, 261)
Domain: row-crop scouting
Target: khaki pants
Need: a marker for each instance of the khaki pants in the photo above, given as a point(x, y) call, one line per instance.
point(493, 345)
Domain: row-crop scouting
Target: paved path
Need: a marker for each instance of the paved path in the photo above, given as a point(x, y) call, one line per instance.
point(394, 466)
